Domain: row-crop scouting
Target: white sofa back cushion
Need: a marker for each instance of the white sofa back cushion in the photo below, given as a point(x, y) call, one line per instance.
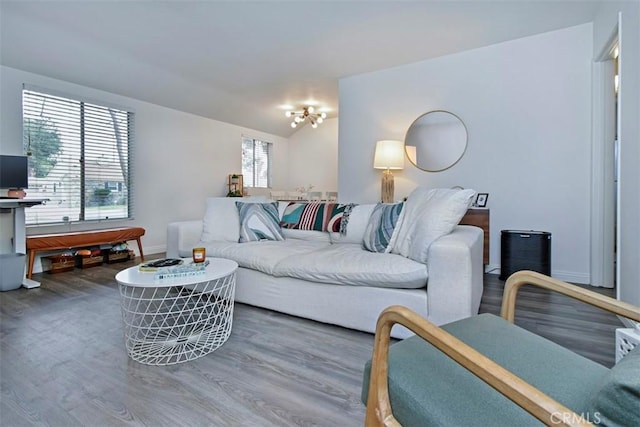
point(429, 215)
point(221, 221)
point(356, 226)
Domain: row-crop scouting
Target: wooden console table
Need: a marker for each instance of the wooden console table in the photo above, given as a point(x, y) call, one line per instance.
point(479, 218)
point(78, 239)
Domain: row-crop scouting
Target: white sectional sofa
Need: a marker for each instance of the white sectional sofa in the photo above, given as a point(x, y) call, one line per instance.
point(430, 264)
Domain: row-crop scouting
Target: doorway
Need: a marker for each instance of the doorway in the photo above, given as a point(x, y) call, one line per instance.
point(605, 157)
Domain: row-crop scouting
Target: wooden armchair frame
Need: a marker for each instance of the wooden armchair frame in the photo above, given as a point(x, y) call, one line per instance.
point(531, 399)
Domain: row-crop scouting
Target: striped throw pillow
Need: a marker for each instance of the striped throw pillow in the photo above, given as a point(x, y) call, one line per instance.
point(313, 216)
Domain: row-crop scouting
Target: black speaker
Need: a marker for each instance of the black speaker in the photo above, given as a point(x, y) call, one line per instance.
point(524, 250)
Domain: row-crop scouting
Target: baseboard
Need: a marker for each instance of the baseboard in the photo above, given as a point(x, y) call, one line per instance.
point(565, 276)
point(572, 277)
point(150, 250)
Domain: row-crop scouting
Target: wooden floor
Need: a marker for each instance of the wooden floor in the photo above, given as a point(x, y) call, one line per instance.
point(63, 362)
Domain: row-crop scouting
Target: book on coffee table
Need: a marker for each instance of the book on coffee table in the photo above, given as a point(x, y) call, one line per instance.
point(153, 266)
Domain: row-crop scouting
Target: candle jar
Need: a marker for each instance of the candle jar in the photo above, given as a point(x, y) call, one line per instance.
point(199, 254)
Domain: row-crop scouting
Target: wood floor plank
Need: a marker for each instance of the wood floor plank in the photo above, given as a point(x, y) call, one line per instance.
point(63, 360)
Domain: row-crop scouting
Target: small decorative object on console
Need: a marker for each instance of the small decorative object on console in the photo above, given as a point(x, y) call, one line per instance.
point(481, 200)
point(236, 185)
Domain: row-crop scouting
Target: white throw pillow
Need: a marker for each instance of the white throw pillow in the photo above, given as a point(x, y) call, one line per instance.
point(221, 221)
point(356, 226)
point(429, 215)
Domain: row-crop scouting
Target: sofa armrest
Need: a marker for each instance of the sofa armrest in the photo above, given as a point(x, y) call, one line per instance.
point(455, 283)
point(182, 236)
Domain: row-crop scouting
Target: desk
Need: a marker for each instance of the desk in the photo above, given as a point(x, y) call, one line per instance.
point(19, 231)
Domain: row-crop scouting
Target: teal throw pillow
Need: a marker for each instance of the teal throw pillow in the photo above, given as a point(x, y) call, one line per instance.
point(381, 226)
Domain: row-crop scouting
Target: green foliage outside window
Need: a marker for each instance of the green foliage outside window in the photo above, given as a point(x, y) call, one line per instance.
point(42, 144)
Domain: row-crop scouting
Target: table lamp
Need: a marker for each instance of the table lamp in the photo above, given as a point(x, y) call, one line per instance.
point(389, 155)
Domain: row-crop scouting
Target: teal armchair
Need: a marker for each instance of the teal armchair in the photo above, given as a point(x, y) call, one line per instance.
point(486, 371)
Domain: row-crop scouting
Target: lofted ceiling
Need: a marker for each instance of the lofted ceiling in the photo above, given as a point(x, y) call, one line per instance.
point(241, 61)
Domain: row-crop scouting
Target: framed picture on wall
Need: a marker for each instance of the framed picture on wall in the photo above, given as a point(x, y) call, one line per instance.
point(481, 200)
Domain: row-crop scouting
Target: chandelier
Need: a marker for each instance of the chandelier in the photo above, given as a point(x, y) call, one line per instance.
point(307, 113)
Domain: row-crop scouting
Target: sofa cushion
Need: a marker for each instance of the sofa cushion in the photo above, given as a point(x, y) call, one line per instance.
point(350, 264)
point(383, 223)
point(427, 388)
point(258, 221)
point(221, 221)
point(303, 216)
point(318, 236)
point(429, 215)
point(313, 216)
point(263, 255)
point(616, 401)
point(356, 226)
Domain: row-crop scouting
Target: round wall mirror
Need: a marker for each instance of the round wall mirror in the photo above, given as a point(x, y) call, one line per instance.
point(436, 141)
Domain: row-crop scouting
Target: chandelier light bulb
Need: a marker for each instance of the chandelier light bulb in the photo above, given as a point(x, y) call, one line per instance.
point(306, 112)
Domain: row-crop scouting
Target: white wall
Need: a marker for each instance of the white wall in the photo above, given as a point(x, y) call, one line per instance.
point(179, 158)
point(313, 157)
point(605, 25)
point(526, 104)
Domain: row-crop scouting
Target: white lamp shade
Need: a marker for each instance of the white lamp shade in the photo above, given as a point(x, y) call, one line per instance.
point(389, 155)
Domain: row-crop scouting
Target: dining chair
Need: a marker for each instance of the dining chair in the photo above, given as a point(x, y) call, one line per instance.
point(314, 196)
point(277, 195)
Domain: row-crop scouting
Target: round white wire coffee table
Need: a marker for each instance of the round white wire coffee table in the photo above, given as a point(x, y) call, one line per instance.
point(177, 319)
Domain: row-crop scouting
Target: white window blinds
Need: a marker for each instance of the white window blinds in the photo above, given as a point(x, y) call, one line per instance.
point(256, 162)
point(79, 158)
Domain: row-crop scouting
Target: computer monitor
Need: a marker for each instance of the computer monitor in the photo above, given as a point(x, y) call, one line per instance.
point(14, 172)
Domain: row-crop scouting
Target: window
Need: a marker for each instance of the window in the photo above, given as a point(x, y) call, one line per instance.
point(256, 163)
point(79, 158)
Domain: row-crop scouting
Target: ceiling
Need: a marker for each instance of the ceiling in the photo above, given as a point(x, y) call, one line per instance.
point(240, 61)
